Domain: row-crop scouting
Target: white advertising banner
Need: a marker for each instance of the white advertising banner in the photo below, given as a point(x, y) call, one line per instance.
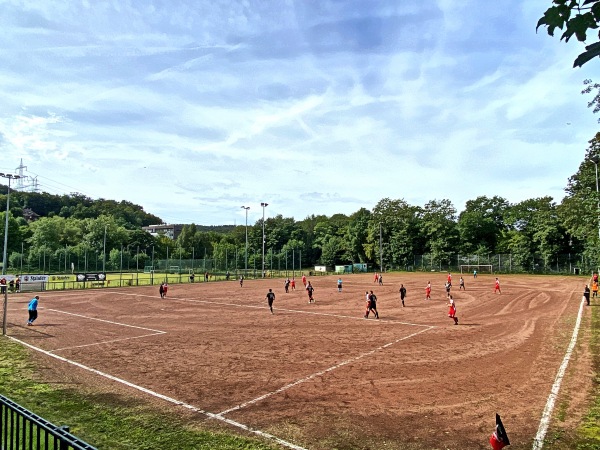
point(34, 279)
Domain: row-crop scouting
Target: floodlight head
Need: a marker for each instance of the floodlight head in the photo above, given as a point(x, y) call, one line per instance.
point(10, 176)
point(595, 159)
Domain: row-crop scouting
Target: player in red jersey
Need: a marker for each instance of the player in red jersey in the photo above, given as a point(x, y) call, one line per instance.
point(497, 286)
point(452, 310)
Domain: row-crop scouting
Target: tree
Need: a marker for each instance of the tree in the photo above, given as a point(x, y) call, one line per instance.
point(332, 250)
point(576, 17)
point(595, 102)
point(481, 223)
point(399, 229)
point(356, 235)
point(578, 212)
point(187, 236)
point(305, 233)
point(330, 240)
point(537, 223)
point(519, 247)
point(582, 197)
point(46, 233)
point(279, 230)
point(438, 222)
point(291, 251)
point(15, 235)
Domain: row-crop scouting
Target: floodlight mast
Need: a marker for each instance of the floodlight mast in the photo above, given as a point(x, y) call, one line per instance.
point(246, 264)
point(264, 205)
point(9, 177)
point(596, 159)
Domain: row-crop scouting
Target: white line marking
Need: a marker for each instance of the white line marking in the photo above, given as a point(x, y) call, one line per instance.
point(108, 321)
point(163, 397)
point(154, 332)
point(105, 342)
point(220, 415)
point(322, 372)
point(538, 442)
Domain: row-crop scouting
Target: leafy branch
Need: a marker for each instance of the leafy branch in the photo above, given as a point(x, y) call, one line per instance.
point(576, 18)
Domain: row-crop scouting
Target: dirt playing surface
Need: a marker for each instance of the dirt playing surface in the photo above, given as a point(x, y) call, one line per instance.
point(319, 375)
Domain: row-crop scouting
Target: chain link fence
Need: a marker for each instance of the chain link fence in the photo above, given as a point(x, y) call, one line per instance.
point(505, 263)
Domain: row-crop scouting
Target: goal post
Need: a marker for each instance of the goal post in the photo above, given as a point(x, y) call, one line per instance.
point(480, 268)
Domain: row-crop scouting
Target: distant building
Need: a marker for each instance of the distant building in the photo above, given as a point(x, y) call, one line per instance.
point(30, 215)
point(171, 231)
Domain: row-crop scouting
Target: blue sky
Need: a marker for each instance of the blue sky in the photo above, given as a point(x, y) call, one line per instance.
point(195, 108)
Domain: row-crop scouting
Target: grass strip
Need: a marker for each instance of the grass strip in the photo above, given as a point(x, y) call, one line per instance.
point(589, 431)
point(102, 420)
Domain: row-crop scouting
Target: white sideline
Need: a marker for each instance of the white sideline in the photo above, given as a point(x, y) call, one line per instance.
point(538, 442)
point(107, 321)
point(220, 415)
point(162, 397)
point(154, 332)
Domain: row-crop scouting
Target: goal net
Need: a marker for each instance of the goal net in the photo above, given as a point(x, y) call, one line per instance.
point(33, 287)
point(480, 268)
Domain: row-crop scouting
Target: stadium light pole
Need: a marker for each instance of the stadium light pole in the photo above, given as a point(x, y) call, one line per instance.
point(380, 250)
point(596, 159)
point(9, 177)
point(264, 205)
point(246, 264)
point(104, 255)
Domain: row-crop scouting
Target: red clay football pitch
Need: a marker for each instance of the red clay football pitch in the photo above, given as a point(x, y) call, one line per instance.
point(319, 375)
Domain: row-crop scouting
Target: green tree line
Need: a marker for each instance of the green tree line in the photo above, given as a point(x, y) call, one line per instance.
point(73, 228)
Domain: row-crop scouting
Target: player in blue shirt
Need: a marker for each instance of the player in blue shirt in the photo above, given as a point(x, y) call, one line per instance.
point(32, 308)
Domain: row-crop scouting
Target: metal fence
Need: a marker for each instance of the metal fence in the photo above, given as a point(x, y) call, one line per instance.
point(153, 278)
point(21, 429)
point(507, 263)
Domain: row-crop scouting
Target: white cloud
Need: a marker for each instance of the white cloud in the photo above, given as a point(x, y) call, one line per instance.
point(194, 108)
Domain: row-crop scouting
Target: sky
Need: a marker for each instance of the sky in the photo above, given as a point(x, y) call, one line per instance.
point(193, 108)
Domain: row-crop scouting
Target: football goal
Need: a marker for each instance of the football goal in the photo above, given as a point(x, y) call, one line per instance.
point(480, 268)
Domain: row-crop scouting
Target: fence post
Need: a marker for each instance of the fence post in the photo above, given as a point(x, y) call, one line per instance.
point(63, 444)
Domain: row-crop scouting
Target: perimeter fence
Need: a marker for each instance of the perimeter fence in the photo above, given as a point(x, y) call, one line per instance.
point(207, 270)
point(22, 429)
point(505, 263)
point(150, 277)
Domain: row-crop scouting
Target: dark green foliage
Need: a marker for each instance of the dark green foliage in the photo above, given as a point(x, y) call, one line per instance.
point(535, 232)
point(79, 206)
point(576, 18)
